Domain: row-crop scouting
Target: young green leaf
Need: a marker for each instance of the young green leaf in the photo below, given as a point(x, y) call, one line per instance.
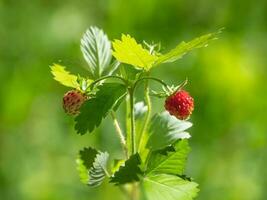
point(98, 171)
point(168, 187)
point(127, 50)
point(165, 129)
point(129, 172)
point(171, 160)
point(96, 108)
point(64, 77)
point(96, 49)
point(185, 47)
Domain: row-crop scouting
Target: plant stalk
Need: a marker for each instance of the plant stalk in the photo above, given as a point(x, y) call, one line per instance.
point(119, 133)
point(147, 118)
point(133, 141)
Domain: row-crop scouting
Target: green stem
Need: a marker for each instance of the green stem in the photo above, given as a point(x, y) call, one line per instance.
point(128, 123)
point(107, 77)
point(150, 78)
point(147, 117)
point(120, 134)
point(133, 142)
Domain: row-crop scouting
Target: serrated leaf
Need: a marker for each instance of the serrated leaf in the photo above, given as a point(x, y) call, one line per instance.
point(171, 160)
point(98, 171)
point(96, 49)
point(129, 172)
point(185, 47)
point(168, 187)
point(64, 77)
point(128, 51)
point(84, 162)
point(91, 165)
point(116, 165)
point(165, 129)
point(96, 108)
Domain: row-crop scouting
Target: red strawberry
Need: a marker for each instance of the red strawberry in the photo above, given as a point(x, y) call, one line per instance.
point(180, 104)
point(72, 101)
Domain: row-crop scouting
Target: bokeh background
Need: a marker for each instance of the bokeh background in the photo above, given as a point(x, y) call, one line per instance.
point(38, 144)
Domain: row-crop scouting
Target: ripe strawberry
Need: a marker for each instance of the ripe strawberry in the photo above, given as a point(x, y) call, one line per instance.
point(72, 101)
point(180, 104)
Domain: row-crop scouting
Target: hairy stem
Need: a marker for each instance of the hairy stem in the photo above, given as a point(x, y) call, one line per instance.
point(128, 124)
point(120, 134)
point(147, 118)
point(133, 142)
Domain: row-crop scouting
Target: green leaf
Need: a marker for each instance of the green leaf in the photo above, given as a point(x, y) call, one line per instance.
point(96, 49)
point(171, 160)
point(129, 72)
point(84, 162)
point(139, 109)
point(128, 51)
point(64, 77)
point(129, 172)
point(185, 47)
point(98, 171)
point(168, 187)
point(91, 165)
point(96, 108)
point(166, 129)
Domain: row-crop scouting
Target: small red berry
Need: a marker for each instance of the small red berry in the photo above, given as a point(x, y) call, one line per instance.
point(72, 102)
point(180, 104)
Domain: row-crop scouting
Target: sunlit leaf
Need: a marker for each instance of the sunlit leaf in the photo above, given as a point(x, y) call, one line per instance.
point(168, 187)
point(165, 129)
point(96, 49)
point(64, 77)
point(185, 47)
point(127, 50)
point(96, 108)
point(171, 160)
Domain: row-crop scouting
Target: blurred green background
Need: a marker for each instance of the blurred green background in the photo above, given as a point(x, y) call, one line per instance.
point(38, 144)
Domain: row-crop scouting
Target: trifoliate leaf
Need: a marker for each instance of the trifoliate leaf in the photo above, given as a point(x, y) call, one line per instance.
point(128, 51)
point(165, 129)
point(91, 165)
point(171, 160)
point(168, 187)
point(185, 47)
point(98, 171)
point(96, 108)
point(129, 172)
point(96, 49)
point(64, 77)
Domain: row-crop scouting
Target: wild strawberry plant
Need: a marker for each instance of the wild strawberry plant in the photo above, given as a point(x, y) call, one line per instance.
point(154, 154)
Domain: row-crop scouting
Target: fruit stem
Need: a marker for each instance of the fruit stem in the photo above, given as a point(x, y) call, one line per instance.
point(150, 78)
point(107, 77)
point(119, 133)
